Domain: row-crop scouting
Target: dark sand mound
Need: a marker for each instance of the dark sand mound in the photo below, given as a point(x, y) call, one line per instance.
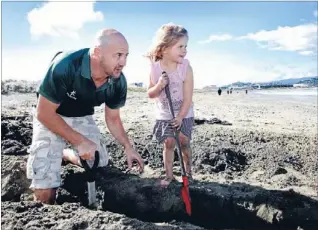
point(31, 215)
point(16, 134)
point(13, 178)
point(127, 201)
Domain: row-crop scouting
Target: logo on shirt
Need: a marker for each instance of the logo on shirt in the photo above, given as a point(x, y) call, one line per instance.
point(72, 95)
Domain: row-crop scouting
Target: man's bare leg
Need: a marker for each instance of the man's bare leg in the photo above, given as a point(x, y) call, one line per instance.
point(46, 196)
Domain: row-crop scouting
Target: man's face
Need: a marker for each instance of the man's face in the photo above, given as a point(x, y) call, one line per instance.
point(113, 57)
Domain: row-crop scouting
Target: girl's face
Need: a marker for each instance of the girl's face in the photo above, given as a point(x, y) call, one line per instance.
point(178, 51)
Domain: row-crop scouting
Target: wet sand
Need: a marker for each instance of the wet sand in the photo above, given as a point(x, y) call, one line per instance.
point(254, 161)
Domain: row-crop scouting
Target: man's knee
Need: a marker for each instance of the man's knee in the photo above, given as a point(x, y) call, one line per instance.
point(46, 196)
point(45, 157)
point(44, 165)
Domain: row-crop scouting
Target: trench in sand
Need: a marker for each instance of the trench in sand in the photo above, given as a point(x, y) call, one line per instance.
point(213, 205)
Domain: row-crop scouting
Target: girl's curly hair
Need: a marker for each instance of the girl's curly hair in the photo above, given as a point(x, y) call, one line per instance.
point(166, 36)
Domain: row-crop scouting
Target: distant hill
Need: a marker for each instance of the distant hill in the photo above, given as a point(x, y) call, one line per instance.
point(238, 84)
point(241, 84)
point(210, 87)
point(291, 81)
point(311, 81)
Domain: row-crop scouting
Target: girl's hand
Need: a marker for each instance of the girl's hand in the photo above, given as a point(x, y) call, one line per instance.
point(163, 80)
point(177, 122)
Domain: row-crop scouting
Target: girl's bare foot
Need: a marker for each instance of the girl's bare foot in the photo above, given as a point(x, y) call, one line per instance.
point(166, 181)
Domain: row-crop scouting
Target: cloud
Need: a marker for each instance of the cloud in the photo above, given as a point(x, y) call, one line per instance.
point(308, 52)
point(301, 38)
point(316, 13)
point(222, 37)
point(26, 63)
point(59, 19)
point(210, 68)
point(31, 62)
point(225, 68)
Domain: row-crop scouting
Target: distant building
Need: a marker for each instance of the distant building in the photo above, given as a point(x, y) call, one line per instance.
point(255, 86)
point(213, 87)
point(301, 85)
point(136, 84)
point(210, 88)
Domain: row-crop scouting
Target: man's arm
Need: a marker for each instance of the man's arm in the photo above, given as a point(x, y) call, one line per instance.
point(115, 126)
point(46, 114)
point(187, 93)
point(51, 93)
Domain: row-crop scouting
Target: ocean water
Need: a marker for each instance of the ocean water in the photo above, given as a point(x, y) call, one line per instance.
point(311, 92)
point(287, 95)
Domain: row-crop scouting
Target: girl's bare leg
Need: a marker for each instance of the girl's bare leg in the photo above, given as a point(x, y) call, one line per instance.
point(168, 158)
point(186, 153)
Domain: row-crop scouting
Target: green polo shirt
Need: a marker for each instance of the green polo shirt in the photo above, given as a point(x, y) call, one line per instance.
point(68, 83)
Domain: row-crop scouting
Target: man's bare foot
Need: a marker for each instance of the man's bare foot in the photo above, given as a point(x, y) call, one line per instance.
point(70, 156)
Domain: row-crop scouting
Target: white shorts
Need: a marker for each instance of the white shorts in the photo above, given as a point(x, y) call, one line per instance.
point(45, 153)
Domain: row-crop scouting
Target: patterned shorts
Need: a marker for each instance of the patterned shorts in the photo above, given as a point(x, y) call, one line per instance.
point(163, 129)
point(45, 152)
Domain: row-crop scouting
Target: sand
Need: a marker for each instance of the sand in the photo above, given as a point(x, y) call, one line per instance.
point(254, 161)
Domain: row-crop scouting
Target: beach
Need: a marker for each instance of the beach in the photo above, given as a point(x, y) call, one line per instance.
point(254, 163)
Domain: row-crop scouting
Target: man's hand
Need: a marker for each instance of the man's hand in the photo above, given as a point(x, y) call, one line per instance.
point(116, 128)
point(133, 156)
point(86, 149)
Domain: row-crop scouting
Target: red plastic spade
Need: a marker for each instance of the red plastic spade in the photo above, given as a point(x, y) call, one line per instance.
point(185, 194)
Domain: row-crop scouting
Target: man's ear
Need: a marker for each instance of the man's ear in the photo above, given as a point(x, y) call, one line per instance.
point(96, 51)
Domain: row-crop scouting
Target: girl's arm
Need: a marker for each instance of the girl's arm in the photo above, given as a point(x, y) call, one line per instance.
point(154, 90)
point(187, 93)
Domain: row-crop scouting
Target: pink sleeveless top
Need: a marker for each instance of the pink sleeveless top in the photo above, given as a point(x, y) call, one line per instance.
point(176, 80)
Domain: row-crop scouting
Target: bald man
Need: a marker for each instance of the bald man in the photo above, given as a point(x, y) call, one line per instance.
point(74, 84)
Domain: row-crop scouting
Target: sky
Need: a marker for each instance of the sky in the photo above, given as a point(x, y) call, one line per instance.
point(228, 41)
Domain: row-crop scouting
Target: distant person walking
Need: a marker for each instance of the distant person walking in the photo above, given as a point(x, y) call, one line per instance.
point(220, 91)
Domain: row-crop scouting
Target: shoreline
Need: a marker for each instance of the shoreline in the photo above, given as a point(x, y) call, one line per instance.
point(27, 86)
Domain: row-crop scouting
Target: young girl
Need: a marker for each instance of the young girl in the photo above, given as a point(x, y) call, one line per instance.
point(168, 54)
